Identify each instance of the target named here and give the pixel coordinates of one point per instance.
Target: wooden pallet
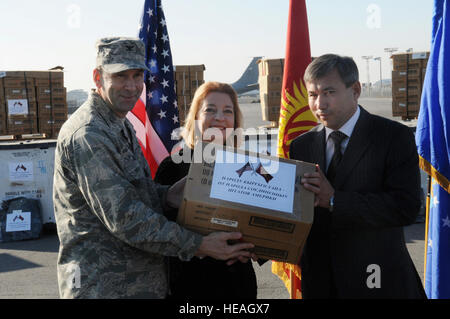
(33, 136)
(409, 118)
(7, 137)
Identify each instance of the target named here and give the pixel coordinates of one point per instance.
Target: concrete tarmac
(28, 268)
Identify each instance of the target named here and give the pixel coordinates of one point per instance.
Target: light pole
(390, 51)
(367, 58)
(381, 78)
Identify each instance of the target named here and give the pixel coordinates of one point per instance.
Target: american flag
(155, 115)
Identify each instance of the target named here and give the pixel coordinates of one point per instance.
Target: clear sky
(223, 35)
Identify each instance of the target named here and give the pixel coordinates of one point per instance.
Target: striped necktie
(337, 138)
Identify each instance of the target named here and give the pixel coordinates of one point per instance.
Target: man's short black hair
(323, 65)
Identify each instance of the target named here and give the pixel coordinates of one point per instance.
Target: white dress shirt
(347, 129)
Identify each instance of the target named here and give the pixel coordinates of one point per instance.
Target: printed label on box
(253, 181)
(225, 222)
(21, 171)
(18, 221)
(16, 107)
(419, 55)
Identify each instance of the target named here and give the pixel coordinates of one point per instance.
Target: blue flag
(437, 274)
(433, 143)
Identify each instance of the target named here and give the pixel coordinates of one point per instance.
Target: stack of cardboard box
(270, 84)
(187, 79)
(34, 102)
(20, 106)
(407, 81)
(2, 111)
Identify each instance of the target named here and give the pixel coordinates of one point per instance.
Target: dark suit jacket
(377, 191)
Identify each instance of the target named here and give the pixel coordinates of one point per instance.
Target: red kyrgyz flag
(295, 116)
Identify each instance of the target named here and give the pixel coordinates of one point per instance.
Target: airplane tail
(249, 79)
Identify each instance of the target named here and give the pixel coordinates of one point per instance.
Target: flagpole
(427, 216)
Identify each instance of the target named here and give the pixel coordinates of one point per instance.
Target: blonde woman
(213, 116)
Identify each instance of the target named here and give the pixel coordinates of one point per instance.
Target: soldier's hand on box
(216, 246)
(175, 193)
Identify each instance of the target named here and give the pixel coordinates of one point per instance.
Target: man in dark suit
(371, 189)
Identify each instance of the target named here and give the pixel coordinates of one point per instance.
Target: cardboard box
(270, 83)
(188, 78)
(270, 105)
(189, 68)
(182, 116)
(54, 74)
(25, 125)
(257, 195)
(32, 78)
(53, 82)
(47, 122)
(195, 84)
(47, 92)
(410, 73)
(183, 91)
(2, 106)
(271, 66)
(48, 109)
(403, 107)
(406, 64)
(184, 102)
(187, 73)
(58, 99)
(20, 93)
(405, 61)
(2, 124)
(51, 125)
(270, 113)
(403, 81)
(18, 82)
(20, 107)
(412, 90)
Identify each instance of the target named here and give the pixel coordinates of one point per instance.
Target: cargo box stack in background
(20, 103)
(187, 79)
(407, 81)
(2, 111)
(34, 103)
(270, 84)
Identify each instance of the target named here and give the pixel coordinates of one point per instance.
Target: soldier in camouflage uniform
(109, 212)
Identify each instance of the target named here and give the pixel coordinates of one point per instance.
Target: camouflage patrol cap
(117, 54)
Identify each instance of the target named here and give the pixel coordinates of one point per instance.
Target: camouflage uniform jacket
(108, 211)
